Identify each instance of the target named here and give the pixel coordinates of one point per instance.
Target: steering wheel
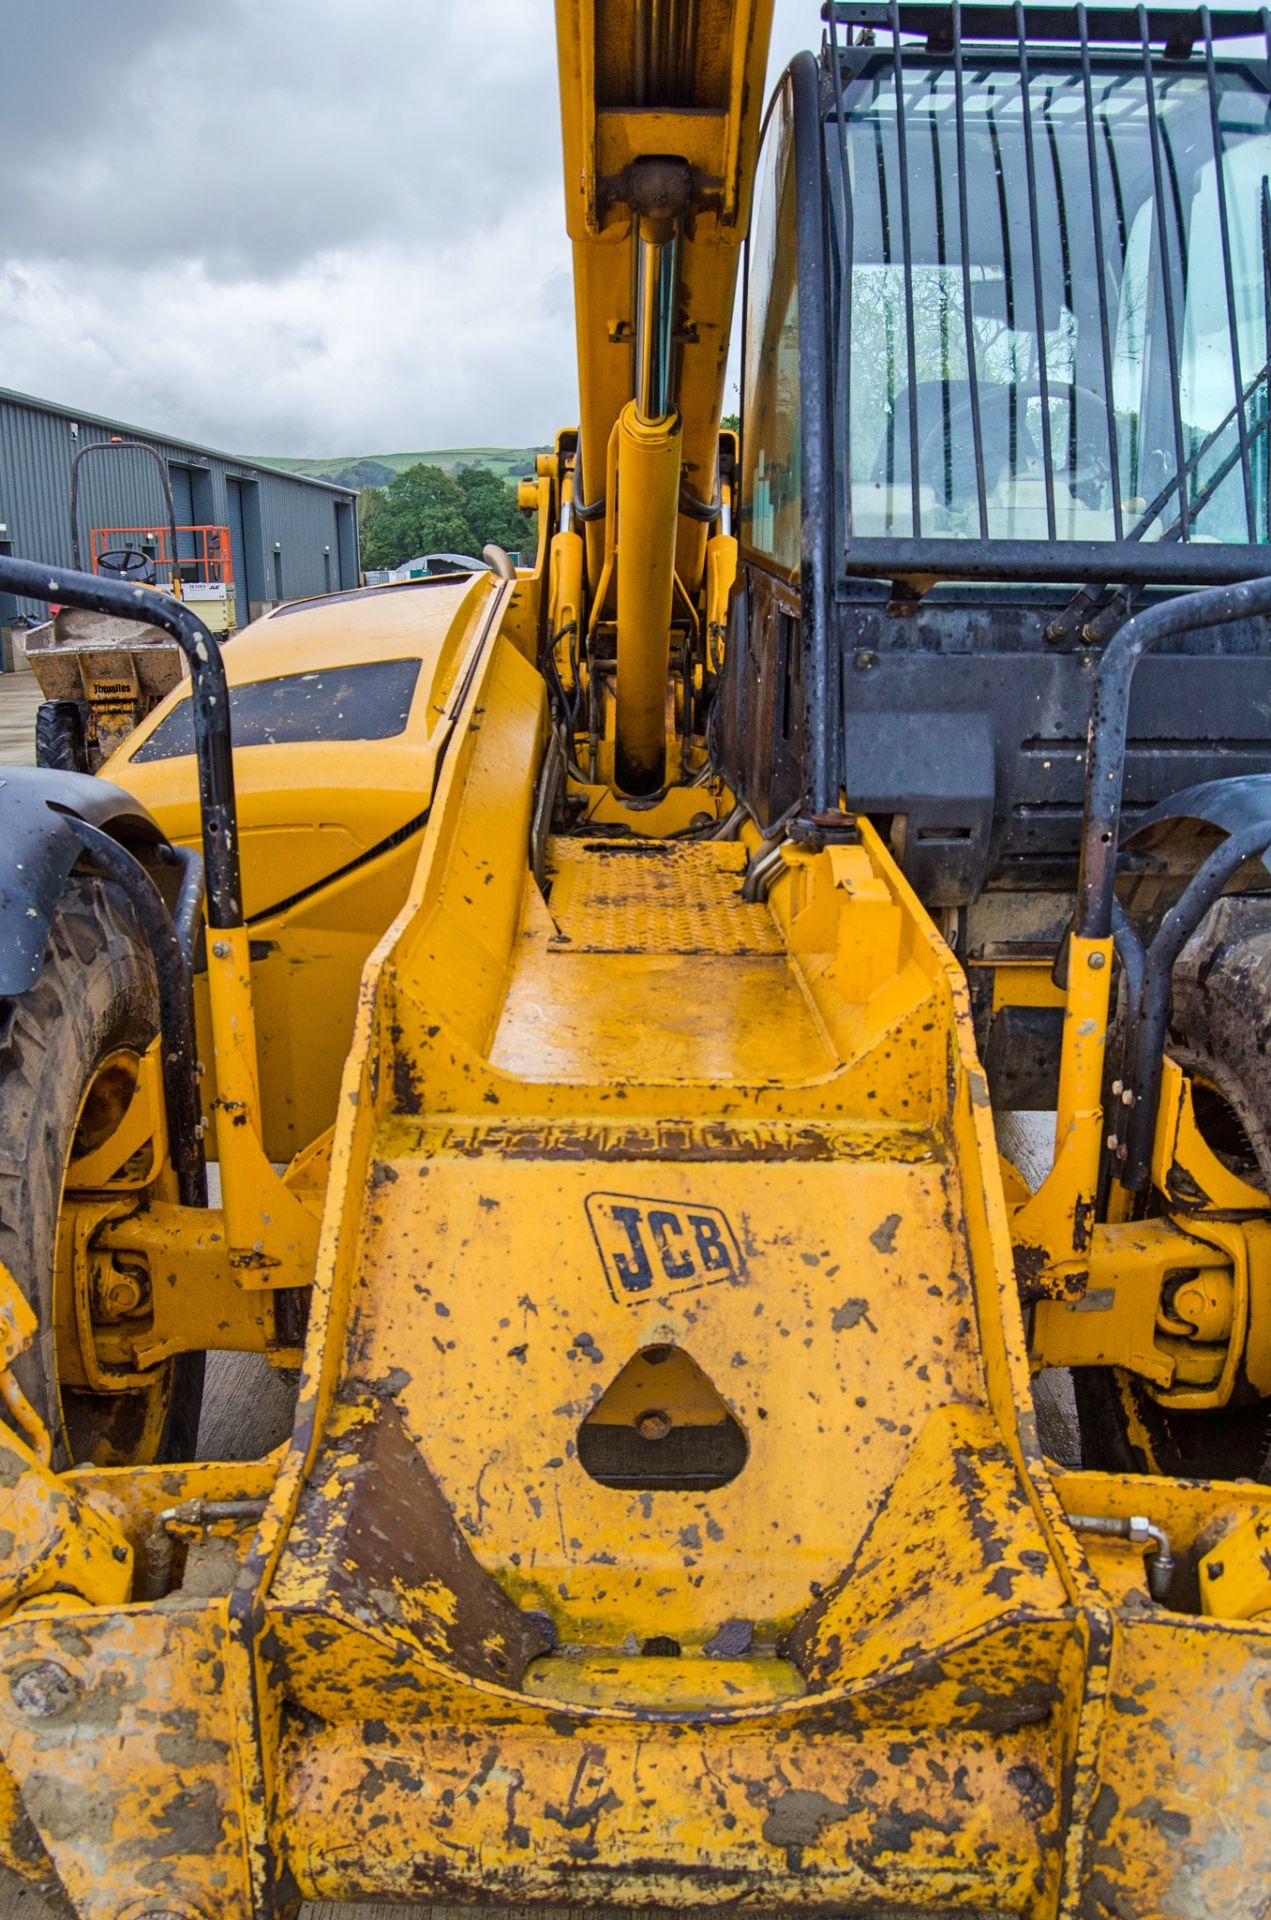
(126, 563)
(1093, 475)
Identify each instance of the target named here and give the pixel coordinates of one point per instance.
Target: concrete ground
(247, 1405)
(19, 698)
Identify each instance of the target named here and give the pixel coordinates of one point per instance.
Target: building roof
(170, 439)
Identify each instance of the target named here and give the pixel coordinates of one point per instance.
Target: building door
(238, 549)
(345, 545)
(183, 512)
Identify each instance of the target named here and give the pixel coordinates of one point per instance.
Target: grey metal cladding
(313, 522)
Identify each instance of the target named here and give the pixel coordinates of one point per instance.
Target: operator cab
(1007, 343)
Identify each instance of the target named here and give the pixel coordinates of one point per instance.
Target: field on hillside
(379, 469)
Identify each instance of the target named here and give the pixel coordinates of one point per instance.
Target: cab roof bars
(1177, 32)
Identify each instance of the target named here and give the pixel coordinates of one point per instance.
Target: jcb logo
(660, 1246)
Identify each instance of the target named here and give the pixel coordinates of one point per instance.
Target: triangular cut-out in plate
(662, 1425)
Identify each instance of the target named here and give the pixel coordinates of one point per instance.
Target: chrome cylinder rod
(657, 276)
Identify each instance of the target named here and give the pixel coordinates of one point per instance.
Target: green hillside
(379, 469)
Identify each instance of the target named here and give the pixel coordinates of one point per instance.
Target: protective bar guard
(209, 697)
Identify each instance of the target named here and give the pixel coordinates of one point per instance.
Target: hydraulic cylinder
(648, 497)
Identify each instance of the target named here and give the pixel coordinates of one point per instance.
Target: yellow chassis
(581, 1177)
(402, 1659)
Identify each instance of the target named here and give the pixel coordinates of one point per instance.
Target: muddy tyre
(1220, 1031)
(59, 737)
(94, 1002)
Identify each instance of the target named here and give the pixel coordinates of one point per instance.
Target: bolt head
(654, 1425)
(221, 949)
(1096, 960)
(42, 1690)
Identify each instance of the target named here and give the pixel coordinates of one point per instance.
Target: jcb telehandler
(594, 983)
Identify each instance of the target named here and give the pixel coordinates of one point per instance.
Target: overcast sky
(294, 226)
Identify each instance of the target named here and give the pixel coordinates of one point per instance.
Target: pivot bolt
(1096, 960)
(221, 949)
(118, 1292)
(654, 1425)
(43, 1690)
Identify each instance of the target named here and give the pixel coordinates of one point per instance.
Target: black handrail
(209, 698)
(1109, 718)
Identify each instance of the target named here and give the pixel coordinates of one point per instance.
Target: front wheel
(66, 1048)
(60, 737)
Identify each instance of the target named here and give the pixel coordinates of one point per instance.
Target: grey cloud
(255, 136)
(293, 226)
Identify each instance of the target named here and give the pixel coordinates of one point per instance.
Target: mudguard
(38, 848)
(1236, 802)
(1231, 805)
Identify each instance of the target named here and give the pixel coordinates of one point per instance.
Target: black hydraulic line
(1129, 951)
(176, 1005)
(693, 507)
(1109, 714)
(209, 699)
(1149, 1028)
(585, 510)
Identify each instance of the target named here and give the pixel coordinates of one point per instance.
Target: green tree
(492, 512)
(427, 510)
(370, 511)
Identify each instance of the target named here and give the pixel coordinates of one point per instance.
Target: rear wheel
(60, 738)
(1220, 1032)
(66, 1046)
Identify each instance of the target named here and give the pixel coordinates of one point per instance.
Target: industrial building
(289, 536)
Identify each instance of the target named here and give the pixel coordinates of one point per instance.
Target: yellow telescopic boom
(660, 107)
